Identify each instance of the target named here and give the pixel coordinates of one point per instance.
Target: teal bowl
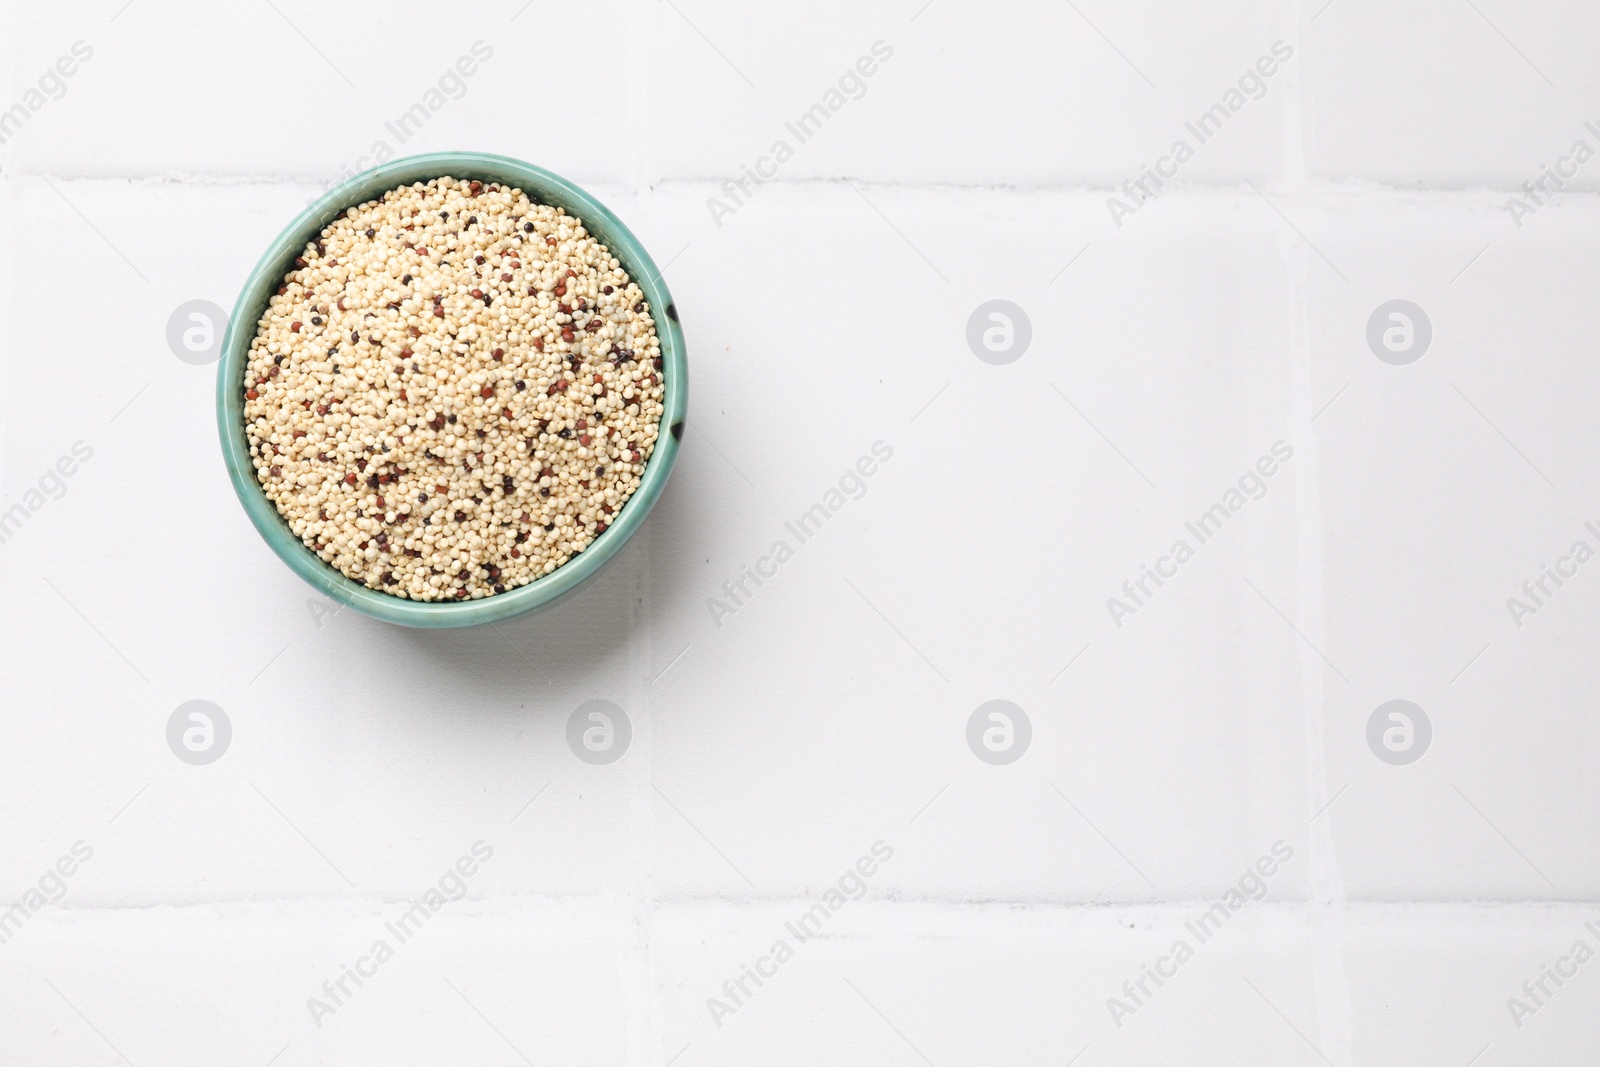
(542, 186)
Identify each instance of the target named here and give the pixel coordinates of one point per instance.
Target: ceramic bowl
(544, 187)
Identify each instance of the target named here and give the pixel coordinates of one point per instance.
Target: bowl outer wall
(544, 187)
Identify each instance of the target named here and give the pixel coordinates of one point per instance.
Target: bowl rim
(543, 186)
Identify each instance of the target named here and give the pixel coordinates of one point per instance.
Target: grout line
(1298, 184)
(1326, 915)
(1330, 984)
(989, 913)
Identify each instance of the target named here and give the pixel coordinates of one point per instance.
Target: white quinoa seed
(454, 391)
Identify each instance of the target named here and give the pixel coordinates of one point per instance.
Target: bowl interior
(544, 187)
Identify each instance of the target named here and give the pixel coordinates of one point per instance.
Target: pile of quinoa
(454, 392)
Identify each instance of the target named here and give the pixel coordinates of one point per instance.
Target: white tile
(1445, 485)
(868, 650)
(293, 89)
(1019, 93)
(1446, 94)
(147, 588)
(239, 984)
(781, 734)
(980, 988)
(1444, 989)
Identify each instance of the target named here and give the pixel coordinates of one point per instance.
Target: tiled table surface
(1199, 740)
